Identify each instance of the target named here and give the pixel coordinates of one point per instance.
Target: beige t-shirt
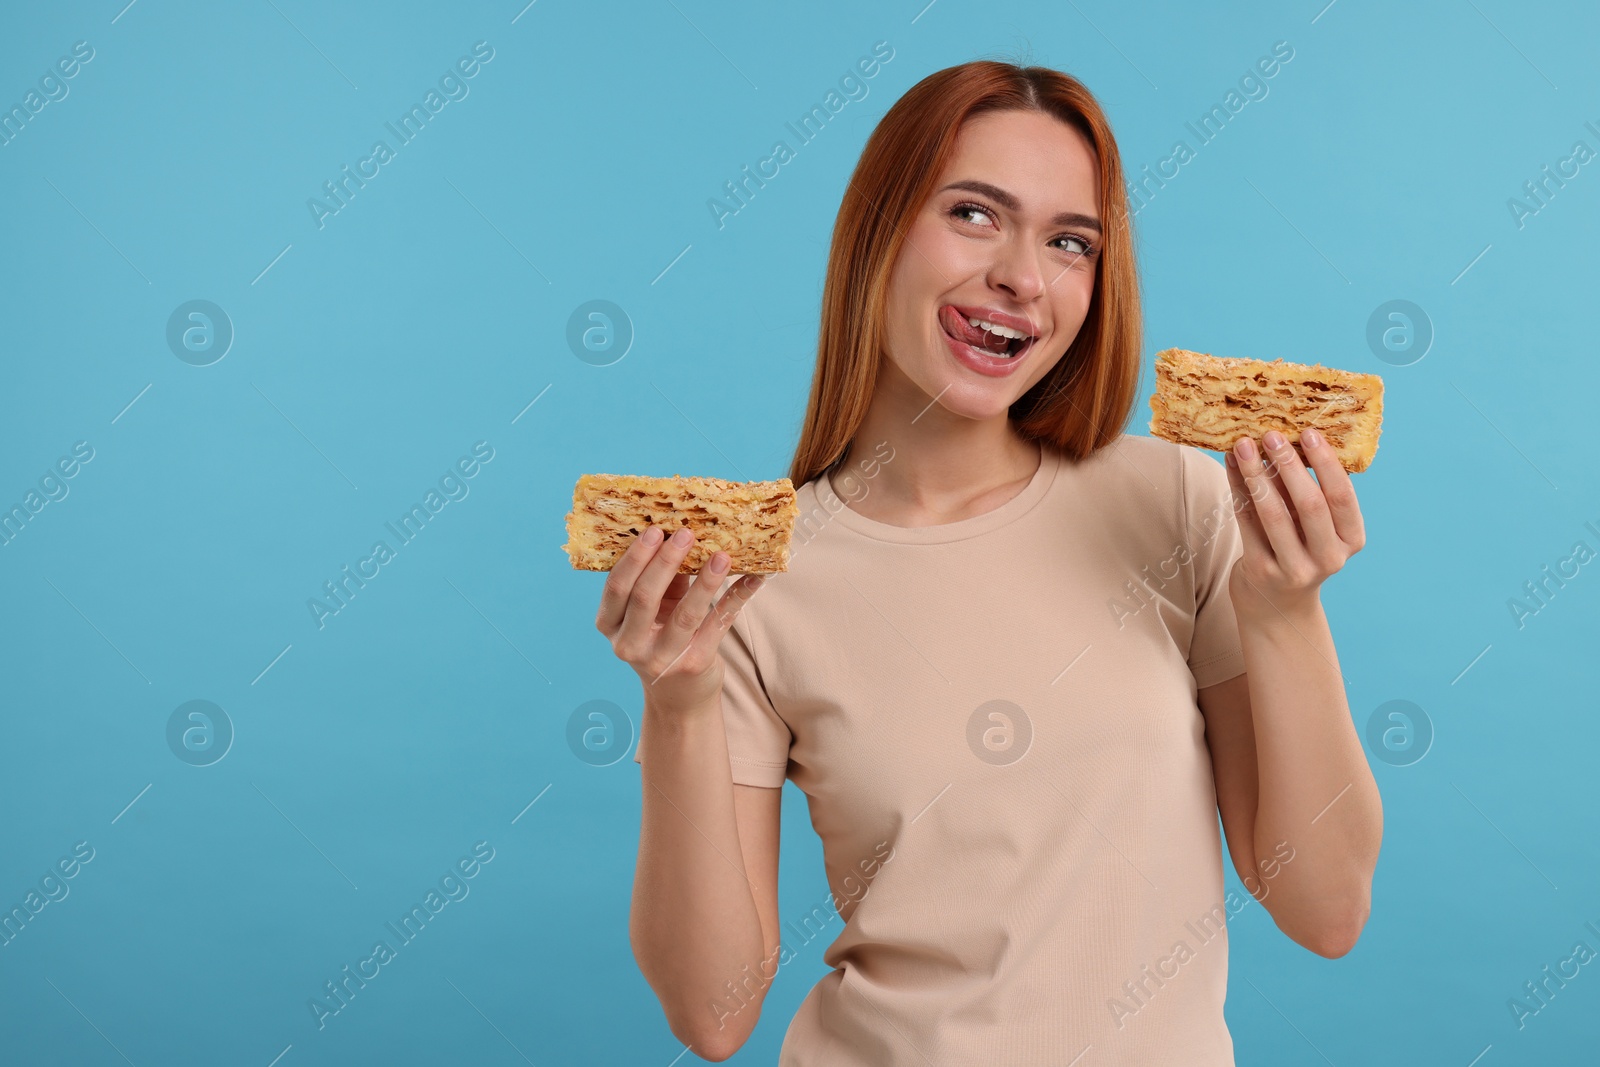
(995, 723)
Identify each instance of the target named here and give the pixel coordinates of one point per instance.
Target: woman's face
(1010, 238)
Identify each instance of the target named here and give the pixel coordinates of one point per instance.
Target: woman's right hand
(664, 625)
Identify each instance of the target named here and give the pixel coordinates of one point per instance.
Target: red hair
(1085, 400)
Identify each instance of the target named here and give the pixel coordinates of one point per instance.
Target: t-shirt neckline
(1043, 477)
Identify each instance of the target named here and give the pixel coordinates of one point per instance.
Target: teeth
(1003, 331)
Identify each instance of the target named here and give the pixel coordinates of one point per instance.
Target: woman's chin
(971, 400)
(960, 393)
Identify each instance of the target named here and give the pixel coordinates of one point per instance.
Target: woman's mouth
(982, 343)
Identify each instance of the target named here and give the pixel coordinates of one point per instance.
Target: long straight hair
(1086, 399)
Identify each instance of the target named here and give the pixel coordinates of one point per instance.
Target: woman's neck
(945, 467)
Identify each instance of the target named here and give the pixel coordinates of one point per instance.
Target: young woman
(1020, 661)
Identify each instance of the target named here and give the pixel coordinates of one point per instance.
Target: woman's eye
(981, 216)
(962, 211)
(1083, 247)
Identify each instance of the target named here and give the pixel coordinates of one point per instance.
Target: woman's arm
(1292, 778)
(705, 892)
(705, 888)
(1298, 802)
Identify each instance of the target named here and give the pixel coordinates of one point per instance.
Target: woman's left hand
(1297, 531)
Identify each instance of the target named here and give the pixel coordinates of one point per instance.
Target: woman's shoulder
(1150, 475)
(1151, 461)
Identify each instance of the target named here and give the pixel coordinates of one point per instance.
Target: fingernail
(651, 536)
(718, 564)
(1247, 449)
(1273, 440)
(1311, 439)
(682, 537)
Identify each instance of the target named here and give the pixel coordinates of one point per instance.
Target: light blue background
(428, 314)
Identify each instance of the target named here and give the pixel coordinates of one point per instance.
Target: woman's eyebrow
(1011, 203)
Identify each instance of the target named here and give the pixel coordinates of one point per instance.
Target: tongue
(957, 326)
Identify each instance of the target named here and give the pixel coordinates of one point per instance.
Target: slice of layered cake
(751, 521)
(1212, 401)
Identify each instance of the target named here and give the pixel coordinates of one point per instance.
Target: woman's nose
(1017, 270)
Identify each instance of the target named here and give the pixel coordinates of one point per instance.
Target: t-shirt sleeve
(758, 738)
(1212, 532)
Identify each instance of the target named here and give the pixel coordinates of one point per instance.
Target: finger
(1270, 507)
(1336, 487)
(721, 616)
(624, 573)
(1315, 515)
(673, 596)
(644, 601)
(1270, 465)
(700, 645)
(1274, 472)
(685, 618)
(1255, 538)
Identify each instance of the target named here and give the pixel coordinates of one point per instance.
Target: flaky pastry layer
(751, 521)
(1211, 401)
